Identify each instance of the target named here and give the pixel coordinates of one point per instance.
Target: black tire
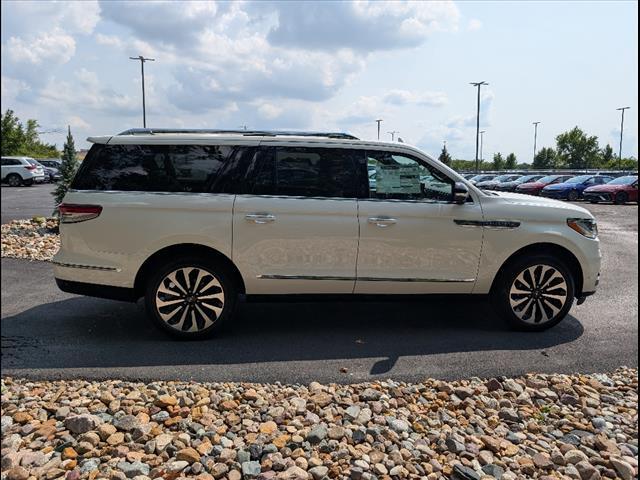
(533, 317)
(621, 198)
(183, 318)
(14, 180)
(593, 201)
(573, 196)
(28, 183)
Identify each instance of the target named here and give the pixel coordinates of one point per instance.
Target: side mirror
(460, 193)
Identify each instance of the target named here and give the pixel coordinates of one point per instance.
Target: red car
(619, 191)
(534, 188)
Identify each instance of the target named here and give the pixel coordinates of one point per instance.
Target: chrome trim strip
(430, 280)
(87, 267)
(492, 224)
(365, 279)
(303, 277)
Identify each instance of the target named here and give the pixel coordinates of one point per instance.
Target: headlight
(584, 226)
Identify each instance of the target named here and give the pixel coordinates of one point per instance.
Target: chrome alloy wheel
(538, 294)
(189, 299)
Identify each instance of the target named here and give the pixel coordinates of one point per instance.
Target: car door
(633, 192)
(413, 238)
(295, 226)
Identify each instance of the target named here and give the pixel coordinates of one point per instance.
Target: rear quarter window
(151, 168)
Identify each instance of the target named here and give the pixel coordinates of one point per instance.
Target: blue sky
(329, 65)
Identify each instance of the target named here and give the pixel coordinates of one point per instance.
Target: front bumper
(598, 196)
(556, 195)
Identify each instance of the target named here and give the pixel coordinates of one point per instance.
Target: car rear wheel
(14, 180)
(621, 198)
(573, 196)
(534, 294)
(190, 298)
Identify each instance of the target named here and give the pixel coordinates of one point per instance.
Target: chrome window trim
(502, 224)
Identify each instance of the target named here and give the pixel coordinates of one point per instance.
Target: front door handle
(260, 217)
(382, 222)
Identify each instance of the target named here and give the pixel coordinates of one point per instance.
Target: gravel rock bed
(35, 239)
(538, 426)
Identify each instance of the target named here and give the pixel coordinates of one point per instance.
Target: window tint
(239, 172)
(151, 168)
(308, 172)
(404, 178)
(10, 161)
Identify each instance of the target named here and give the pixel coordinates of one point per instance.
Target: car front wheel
(190, 298)
(573, 196)
(534, 294)
(621, 198)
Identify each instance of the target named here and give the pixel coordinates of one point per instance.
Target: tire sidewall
(221, 274)
(500, 294)
(573, 196)
(14, 180)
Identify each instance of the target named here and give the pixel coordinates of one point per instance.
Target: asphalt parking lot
(26, 202)
(50, 334)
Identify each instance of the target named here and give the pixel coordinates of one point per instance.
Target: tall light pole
(478, 84)
(142, 60)
(622, 109)
(535, 138)
(393, 134)
(379, 121)
(481, 141)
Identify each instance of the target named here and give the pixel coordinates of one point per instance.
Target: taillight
(30, 167)
(78, 213)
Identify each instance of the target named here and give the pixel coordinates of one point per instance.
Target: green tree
(498, 161)
(67, 168)
(607, 156)
(12, 134)
(575, 149)
(511, 163)
(545, 158)
(444, 156)
(18, 140)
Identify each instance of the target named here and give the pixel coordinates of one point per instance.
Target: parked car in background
(511, 186)
(534, 188)
(572, 188)
(483, 177)
(619, 191)
(492, 184)
(52, 167)
(282, 213)
(18, 171)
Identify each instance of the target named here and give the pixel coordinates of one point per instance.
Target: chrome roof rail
(246, 133)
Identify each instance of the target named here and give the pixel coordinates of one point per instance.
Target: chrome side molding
(493, 224)
(87, 267)
(365, 279)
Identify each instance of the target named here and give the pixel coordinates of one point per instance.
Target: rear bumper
(99, 291)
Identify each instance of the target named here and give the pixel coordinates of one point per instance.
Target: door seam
(353, 291)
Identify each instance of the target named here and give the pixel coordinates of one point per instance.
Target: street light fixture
(142, 60)
(379, 121)
(478, 84)
(622, 109)
(535, 138)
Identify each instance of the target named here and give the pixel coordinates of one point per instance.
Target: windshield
(548, 179)
(623, 181)
(579, 179)
(33, 162)
(527, 178)
(482, 178)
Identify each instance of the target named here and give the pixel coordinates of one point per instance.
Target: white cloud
(405, 97)
(474, 24)
(77, 122)
(31, 18)
(109, 40)
(12, 88)
(51, 47)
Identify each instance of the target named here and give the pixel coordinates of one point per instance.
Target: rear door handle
(260, 217)
(382, 222)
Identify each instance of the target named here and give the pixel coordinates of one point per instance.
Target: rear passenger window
(309, 172)
(151, 168)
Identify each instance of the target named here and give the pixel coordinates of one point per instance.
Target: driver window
(398, 177)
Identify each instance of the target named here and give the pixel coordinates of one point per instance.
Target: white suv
(191, 220)
(18, 171)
